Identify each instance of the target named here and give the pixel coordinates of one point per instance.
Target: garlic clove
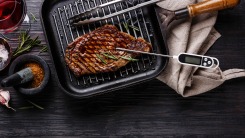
(7, 105)
(4, 99)
(5, 95)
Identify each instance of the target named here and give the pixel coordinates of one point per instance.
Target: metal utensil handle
(142, 52)
(110, 3)
(86, 21)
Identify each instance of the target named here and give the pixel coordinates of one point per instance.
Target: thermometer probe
(185, 58)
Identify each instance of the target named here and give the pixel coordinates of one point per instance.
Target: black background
(148, 109)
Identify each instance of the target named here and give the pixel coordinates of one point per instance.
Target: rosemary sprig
(39, 107)
(110, 55)
(44, 49)
(134, 28)
(26, 107)
(98, 56)
(33, 17)
(125, 24)
(129, 58)
(26, 44)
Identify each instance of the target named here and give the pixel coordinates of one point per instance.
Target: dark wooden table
(150, 109)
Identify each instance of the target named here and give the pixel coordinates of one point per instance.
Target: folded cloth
(194, 36)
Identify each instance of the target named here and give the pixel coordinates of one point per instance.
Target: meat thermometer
(185, 58)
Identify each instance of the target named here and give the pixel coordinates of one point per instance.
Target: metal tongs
(189, 11)
(96, 8)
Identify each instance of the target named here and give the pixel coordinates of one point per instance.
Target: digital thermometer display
(193, 60)
(197, 60)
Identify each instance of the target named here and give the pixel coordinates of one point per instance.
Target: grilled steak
(95, 52)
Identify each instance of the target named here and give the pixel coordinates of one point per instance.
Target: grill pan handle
(204, 7)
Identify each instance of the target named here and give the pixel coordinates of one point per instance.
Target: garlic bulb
(4, 98)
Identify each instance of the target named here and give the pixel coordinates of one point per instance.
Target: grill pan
(54, 17)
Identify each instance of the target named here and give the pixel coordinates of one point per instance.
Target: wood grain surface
(151, 109)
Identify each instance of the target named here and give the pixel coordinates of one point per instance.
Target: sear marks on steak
(82, 58)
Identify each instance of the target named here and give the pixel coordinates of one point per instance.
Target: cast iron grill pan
(59, 33)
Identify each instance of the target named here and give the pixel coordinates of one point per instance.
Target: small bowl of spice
(29, 74)
(5, 54)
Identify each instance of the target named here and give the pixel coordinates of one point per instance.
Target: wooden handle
(210, 6)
